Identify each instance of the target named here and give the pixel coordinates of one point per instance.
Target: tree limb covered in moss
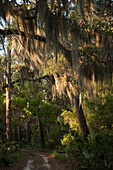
(47, 77)
(66, 52)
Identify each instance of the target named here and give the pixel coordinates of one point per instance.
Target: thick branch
(66, 52)
(16, 32)
(38, 79)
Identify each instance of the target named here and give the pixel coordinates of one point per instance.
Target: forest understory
(32, 159)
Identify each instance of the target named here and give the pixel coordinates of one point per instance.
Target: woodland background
(56, 91)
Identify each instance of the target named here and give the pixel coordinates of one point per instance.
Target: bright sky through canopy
(19, 1)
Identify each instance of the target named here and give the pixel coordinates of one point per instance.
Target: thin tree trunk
(8, 98)
(15, 134)
(19, 134)
(8, 93)
(28, 132)
(110, 77)
(41, 134)
(81, 118)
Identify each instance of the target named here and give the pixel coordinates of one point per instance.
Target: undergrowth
(95, 152)
(9, 154)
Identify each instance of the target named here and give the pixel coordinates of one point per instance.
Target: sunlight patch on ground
(29, 165)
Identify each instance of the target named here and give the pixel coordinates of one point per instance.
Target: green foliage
(70, 118)
(66, 139)
(98, 151)
(59, 155)
(9, 154)
(2, 116)
(101, 112)
(19, 102)
(54, 137)
(95, 152)
(48, 115)
(49, 112)
(27, 112)
(61, 66)
(34, 136)
(15, 121)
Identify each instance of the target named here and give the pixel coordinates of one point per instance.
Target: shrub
(94, 153)
(9, 153)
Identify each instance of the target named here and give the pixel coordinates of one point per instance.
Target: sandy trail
(30, 164)
(35, 160)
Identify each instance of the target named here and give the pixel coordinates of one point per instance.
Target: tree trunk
(8, 97)
(15, 134)
(19, 134)
(41, 134)
(28, 132)
(81, 118)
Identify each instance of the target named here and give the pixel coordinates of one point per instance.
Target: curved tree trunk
(81, 118)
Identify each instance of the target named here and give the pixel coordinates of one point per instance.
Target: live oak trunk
(81, 118)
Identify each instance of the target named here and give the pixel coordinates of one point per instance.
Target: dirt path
(33, 160)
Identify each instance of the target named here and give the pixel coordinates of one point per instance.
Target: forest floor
(34, 160)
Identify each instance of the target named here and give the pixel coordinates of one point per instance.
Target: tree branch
(7, 32)
(49, 77)
(66, 52)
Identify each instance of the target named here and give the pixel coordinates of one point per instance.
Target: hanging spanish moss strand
(56, 38)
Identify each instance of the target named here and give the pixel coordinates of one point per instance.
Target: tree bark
(19, 134)
(28, 132)
(8, 98)
(15, 134)
(41, 134)
(81, 118)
